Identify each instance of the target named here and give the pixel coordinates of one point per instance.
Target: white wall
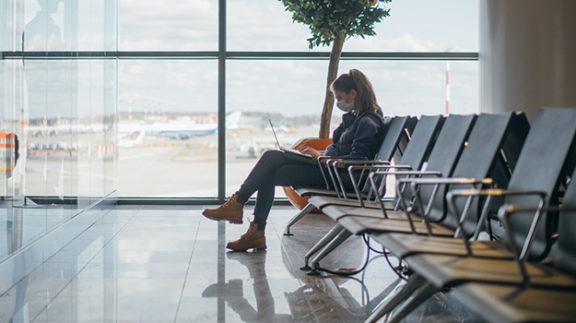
(527, 55)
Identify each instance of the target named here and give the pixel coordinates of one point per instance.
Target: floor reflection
(170, 264)
(232, 291)
(23, 222)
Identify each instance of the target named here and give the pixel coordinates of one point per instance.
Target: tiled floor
(169, 264)
(21, 224)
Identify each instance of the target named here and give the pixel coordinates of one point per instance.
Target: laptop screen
(274, 132)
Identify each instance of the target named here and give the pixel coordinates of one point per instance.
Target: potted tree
(331, 22)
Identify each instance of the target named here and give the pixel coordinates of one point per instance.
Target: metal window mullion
(221, 100)
(243, 55)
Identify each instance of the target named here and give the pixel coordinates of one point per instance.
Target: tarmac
(153, 167)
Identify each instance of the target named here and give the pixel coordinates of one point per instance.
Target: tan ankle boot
(252, 239)
(230, 211)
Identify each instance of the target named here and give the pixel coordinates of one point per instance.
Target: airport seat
(503, 303)
(527, 302)
(398, 130)
(415, 154)
(540, 171)
(445, 151)
(529, 292)
(482, 156)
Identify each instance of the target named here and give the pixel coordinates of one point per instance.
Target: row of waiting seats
(483, 208)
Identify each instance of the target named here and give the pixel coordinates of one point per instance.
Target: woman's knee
(271, 155)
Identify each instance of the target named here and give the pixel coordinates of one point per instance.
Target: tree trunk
(337, 46)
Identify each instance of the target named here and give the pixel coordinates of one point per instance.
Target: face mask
(345, 106)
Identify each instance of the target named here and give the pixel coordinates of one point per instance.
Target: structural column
(527, 55)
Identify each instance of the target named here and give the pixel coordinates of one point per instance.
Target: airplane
(179, 129)
(186, 128)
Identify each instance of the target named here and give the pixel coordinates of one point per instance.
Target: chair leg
(307, 209)
(328, 247)
(420, 296)
(336, 229)
(388, 304)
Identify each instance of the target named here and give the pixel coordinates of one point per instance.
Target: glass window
(51, 91)
(94, 26)
(148, 127)
(291, 93)
(413, 26)
(44, 27)
(296, 87)
(264, 25)
(67, 25)
(167, 109)
(167, 128)
(4, 27)
(62, 110)
(69, 128)
(421, 87)
(424, 26)
(169, 25)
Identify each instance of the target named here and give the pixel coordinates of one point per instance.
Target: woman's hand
(311, 151)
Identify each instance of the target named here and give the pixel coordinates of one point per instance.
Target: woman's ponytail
(365, 97)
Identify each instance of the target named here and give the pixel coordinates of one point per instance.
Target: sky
(297, 87)
(291, 87)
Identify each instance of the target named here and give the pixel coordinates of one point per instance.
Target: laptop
(289, 152)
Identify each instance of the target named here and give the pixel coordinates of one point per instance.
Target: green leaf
(326, 17)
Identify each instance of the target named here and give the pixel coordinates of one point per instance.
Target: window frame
(222, 55)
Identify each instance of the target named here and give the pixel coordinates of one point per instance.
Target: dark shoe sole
(246, 249)
(220, 219)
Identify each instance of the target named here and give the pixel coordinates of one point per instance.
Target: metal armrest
(347, 162)
(336, 164)
(495, 192)
(383, 171)
(415, 183)
(378, 167)
(356, 181)
(417, 173)
(448, 181)
(378, 170)
(408, 172)
(324, 163)
(504, 212)
(332, 177)
(402, 182)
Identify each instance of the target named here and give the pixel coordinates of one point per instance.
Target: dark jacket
(357, 137)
